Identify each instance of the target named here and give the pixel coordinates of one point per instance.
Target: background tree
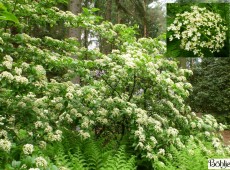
(211, 92)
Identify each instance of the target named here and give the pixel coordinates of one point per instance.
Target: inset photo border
(198, 30)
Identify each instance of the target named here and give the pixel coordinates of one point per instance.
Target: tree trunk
(106, 47)
(108, 10)
(118, 12)
(145, 19)
(182, 62)
(86, 32)
(75, 6)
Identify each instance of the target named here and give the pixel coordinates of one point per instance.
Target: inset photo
(198, 30)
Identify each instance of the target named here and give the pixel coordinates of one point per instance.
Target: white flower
(149, 155)
(40, 162)
(140, 144)
(28, 149)
(161, 152)
(153, 139)
(193, 114)
(187, 46)
(6, 75)
(7, 64)
(58, 106)
(5, 145)
(22, 80)
(42, 144)
(199, 125)
(25, 167)
(54, 137)
(3, 133)
(148, 148)
(85, 135)
(40, 70)
(48, 129)
(177, 36)
(18, 71)
(172, 131)
(8, 58)
(58, 132)
(216, 144)
(69, 96)
(193, 125)
(115, 112)
(1, 41)
(141, 137)
(25, 65)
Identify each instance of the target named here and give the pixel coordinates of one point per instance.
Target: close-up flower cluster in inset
(199, 30)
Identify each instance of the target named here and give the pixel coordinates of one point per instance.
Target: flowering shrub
(199, 30)
(132, 92)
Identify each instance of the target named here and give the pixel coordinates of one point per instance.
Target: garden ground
(226, 136)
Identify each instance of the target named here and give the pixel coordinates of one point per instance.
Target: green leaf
(53, 167)
(22, 134)
(5, 15)
(8, 17)
(2, 7)
(95, 9)
(16, 164)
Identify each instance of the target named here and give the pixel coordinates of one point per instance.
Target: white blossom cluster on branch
(198, 30)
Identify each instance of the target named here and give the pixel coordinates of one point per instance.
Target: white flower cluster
(6, 75)
(21, 80)
(54, 137)
(42, 144)
(5, 145)
(28, 149)
(199, 29)
(85, 135)
(40, 162)
(161, 152)
(3, 133)
(172, 132)
(40, 70)
(8, 62)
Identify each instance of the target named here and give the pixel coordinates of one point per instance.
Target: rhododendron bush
(133, 91)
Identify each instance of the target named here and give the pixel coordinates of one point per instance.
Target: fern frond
(120, 161)
(94, 156)
(77, 160)
(61, 159)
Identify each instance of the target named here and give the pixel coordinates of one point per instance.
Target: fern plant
(119, 161)
(92, 154)
(192, 157)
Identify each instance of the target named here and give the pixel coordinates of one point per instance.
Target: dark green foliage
(211, 87)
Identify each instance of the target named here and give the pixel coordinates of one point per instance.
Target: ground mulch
(226, 136)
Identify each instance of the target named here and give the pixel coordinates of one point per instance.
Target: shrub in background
(211, 92)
